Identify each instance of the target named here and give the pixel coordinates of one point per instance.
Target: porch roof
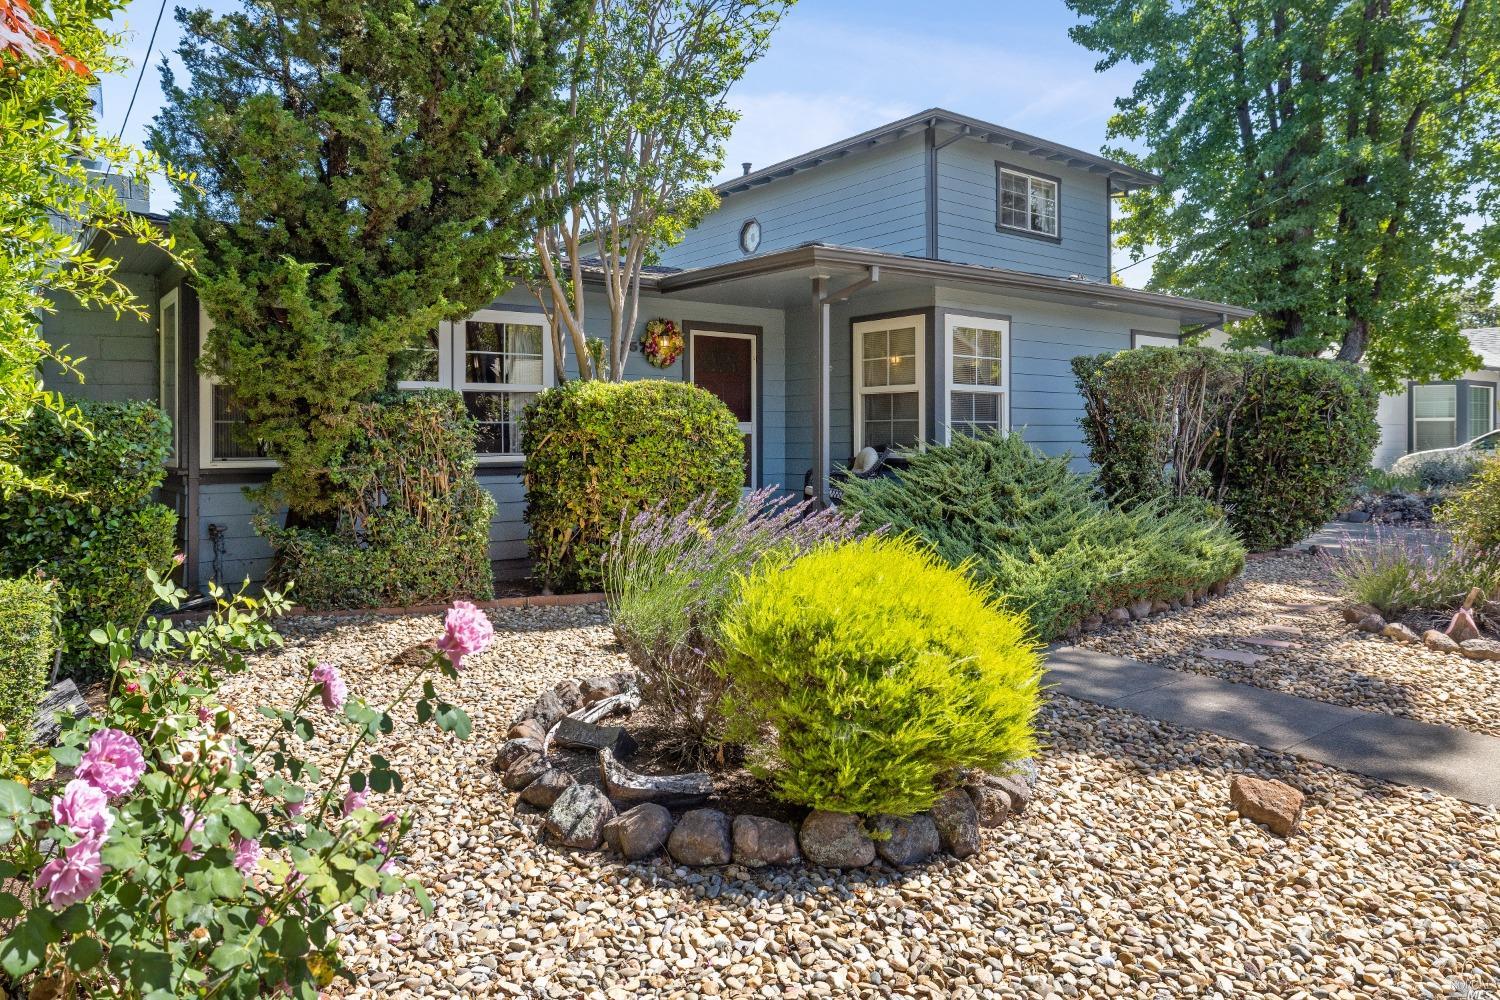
(782, 278)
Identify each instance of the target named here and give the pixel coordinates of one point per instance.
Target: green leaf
(423, 900)
(226, 956)
(10, 906)
(74, 919)
(451, 719)
(23, 947)
(242, 820)
(16, 800)
(85, 953)
(424, 710)
(367, 877)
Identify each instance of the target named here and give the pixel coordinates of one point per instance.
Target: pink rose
(246, 853)
(354, 800)
(295, 808)
(83, 809)
(113, 763)
(194, 824)
(334, 690)
(389, 819)
(466, 631)
(75, 876)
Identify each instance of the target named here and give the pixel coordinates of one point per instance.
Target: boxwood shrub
(413, 523)
(98, 539)
(28, 642)
(881, 670)
(1042, 535)
(597, 452)
(1278, 442)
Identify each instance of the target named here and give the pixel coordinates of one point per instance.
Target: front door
(724, 364)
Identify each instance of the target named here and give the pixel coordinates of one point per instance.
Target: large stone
(547, 787)
(549, 707)
(629, 788)
(992, 804)
(1354, 613)
(1158, 607)
(957, 822)
(1399, 632)
(579, 735)
(1481, 649)
(1017, 787)
(1093, 623)
(513, 750)
(1219, 588)
(1462, 628)
(836, 840)
(578, 817)
(640, 831)
(1139, 609)
(1374, 624)
(524, 770)
(908, 840)
(1440, 643)
(1273, 804)
(527, 729)
(570, 693)
(62, 698)
(701, 837)
(593, 689)
(1118, 616)
(760, 841)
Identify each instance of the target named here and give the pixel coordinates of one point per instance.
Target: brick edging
(529, 601)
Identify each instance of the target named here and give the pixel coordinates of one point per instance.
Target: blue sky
(835, 68)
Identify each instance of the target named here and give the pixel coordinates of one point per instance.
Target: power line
(1301, 187)
(145, 61)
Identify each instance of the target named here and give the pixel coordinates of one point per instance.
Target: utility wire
(145, 62)
(1301, 187)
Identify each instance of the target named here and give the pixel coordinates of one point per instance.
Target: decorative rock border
(560, 760)
(1142, 609)
(1460, 640)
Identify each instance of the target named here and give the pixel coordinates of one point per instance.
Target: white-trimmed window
(221, 421)
(168, 341)
(1481, 404)
(499, 360)
(889, 371)
(978, 353)
(1434, 416)
(1028, 202)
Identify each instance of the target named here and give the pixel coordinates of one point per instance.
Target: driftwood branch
(626, 702)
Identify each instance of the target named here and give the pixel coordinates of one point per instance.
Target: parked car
(1443, 466)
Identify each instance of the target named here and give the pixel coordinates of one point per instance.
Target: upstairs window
(1028, 203)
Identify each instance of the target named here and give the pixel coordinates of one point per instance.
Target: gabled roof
(1486, 343)
(954, 125)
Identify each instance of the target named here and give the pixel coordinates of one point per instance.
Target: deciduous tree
(1319, 160)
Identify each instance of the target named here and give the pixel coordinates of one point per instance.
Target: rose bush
(182, 859)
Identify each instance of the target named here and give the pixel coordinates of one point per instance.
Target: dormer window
(1028, 203)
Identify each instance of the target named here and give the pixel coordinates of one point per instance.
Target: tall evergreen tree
(366, 169)
(1319, 161)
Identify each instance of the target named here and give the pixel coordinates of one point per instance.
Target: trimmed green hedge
(882, 671)
(28, 642)
(413, 522)
(1042, 535)
(1278, 442)
(98, 543)
(597, 452)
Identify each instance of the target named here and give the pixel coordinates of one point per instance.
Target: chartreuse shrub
(669, 577)
(1472, 514)
(97, 539)
(1041, 535)
(412, 523)
(193, 854)
(600, 452)
(1278, 442)
(881, 670)
(28, 640)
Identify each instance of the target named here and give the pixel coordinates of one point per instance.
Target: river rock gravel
(1290, 599)
(1128, 875)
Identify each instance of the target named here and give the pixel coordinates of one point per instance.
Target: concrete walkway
(1453, 761)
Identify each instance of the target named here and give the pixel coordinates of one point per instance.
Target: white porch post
(822, 460)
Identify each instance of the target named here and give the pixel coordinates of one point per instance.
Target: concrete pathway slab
(1443, 758)
(1266, 641)
(1233, 656)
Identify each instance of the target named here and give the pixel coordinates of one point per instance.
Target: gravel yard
(1330, 660)
(1127, 877)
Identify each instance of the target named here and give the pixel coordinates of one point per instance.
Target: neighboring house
(930, 276)
(1428, 415)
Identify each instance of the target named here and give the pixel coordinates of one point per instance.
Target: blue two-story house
(915, 281)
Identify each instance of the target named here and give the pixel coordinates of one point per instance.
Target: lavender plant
(669, 579)
(1397, 576)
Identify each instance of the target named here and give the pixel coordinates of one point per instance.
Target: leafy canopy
(1318, 161)
(366, 169)
(48, 57)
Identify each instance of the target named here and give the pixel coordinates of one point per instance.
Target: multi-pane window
(1434, 416)
(977, 361)
(499, 361)
(1481, 410)
(888, 382)
(227, 428)
(167, 351)
(1028, 202)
